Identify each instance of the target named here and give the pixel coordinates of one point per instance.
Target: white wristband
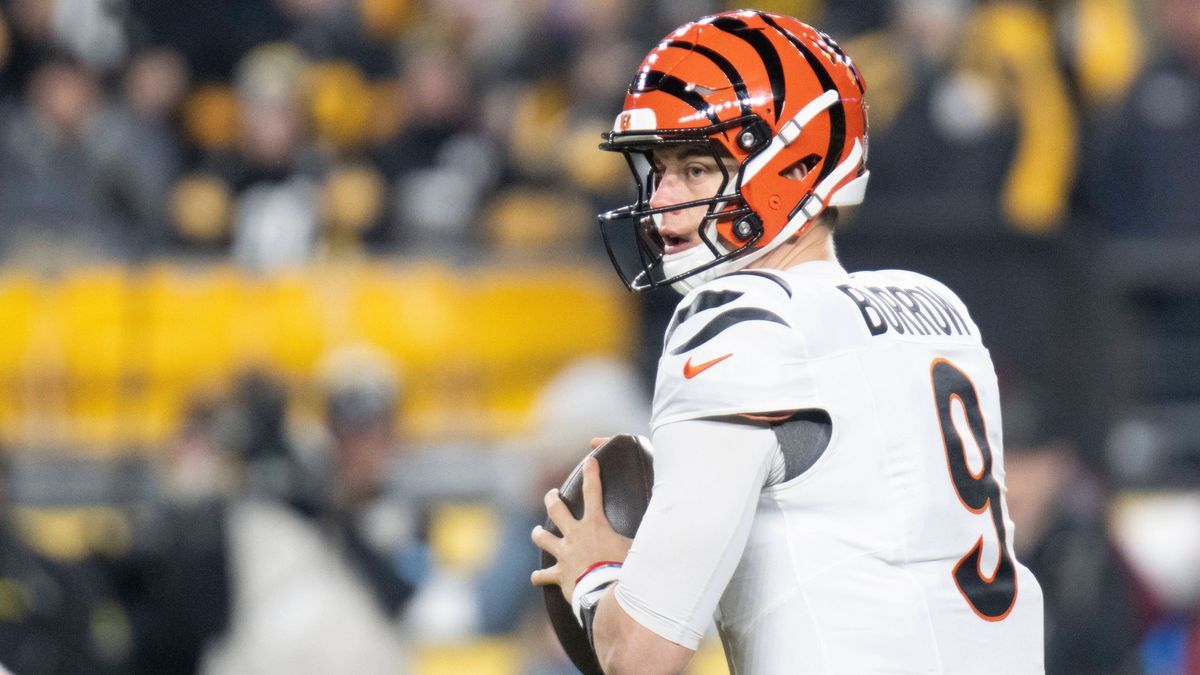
(591, 586)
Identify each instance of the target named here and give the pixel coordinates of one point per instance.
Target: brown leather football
(626, 477)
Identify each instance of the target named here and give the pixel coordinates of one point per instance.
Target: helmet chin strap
(678, 263)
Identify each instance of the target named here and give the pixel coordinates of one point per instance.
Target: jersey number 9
(990, 596)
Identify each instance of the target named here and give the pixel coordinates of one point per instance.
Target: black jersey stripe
(669, 84)
(766, 51)
(704, 300)
(787, 288)
(726, 320)
(837, 113)
(731, 72)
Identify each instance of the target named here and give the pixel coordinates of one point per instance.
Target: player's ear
(800, 169)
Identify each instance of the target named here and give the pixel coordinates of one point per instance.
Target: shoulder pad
(732, 347)
(728, 291)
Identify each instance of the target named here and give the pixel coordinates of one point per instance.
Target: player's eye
(696, 171)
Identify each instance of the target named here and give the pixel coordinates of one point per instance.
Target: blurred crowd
(1038, 156)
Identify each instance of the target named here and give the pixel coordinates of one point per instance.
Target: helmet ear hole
(798, 170)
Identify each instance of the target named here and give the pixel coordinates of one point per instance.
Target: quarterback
(829, 477)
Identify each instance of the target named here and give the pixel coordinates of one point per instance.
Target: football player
(829, 481)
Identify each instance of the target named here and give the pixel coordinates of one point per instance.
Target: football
(626, 477)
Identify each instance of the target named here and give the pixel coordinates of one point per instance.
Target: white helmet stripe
(839, 174)
(789, 132)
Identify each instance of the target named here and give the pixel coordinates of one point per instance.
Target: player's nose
(667, 192)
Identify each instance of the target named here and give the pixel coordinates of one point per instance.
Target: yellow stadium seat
(107, 357)
(525, 325)
(211, 116)
(71, 533)
(19, 306)
(98, 417)
(19, 301)
(389, 111)
(385, 19)
(549, 312)
(192, 321)
(351, 202)
(413, 315)
(538, 123)
(408, 312)
(603, 172)
(339, 103)
(463, 536)
(201, 208)
(480, 657)
(98, 341)
(283, 323)
(194, 337)
(530, 221)
(156, 412)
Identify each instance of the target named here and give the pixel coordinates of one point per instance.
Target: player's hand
(585, 541)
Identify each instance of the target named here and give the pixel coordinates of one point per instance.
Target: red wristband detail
(594, 566)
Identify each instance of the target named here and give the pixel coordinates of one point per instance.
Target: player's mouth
(673, 243)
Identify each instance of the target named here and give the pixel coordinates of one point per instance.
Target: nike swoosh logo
(690, 371)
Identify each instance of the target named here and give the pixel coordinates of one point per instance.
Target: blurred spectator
(439, 164)
(175, 582)
(29, 33)
(974, 132)
(92, 30)
(1102, 44)
(54, 617)
(334, 29)
(352, 204)
(5, 43)
(1139, 178)
(382, 532)
(1094, 614)
(212, 36)
(275, 171)
(316, 586)
(154, 84)
(77, 177)
(1159, 531)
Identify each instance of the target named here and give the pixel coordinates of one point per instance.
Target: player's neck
(816, 244)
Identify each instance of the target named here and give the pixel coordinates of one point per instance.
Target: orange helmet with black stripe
(767, 90)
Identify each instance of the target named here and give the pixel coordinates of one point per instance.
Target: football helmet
(767, 90)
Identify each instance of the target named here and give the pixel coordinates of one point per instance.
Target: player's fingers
(546, 541)
(546, 577)
(597, 442)
(593, 492)
(557, 509)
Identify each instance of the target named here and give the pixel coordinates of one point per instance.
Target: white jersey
(893, 551)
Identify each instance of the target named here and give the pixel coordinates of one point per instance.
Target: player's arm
(625, 646)
(708, 475)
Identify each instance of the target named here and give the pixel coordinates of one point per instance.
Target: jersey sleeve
(734, 346)
(707, 479)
